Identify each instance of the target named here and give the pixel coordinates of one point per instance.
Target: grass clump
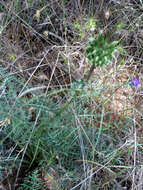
(63, 120)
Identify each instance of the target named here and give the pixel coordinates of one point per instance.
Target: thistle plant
(99, 52)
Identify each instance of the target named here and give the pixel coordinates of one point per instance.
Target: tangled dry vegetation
(42, 44)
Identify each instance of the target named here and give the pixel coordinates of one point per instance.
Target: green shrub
(100, 51)
(32, 181)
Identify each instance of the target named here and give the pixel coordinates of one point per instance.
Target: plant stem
(91, 71)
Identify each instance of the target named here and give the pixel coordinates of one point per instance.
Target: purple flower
(135, 82)
(30, 20)
(95, 82)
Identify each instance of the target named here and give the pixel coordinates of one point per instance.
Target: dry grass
(106, 117)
